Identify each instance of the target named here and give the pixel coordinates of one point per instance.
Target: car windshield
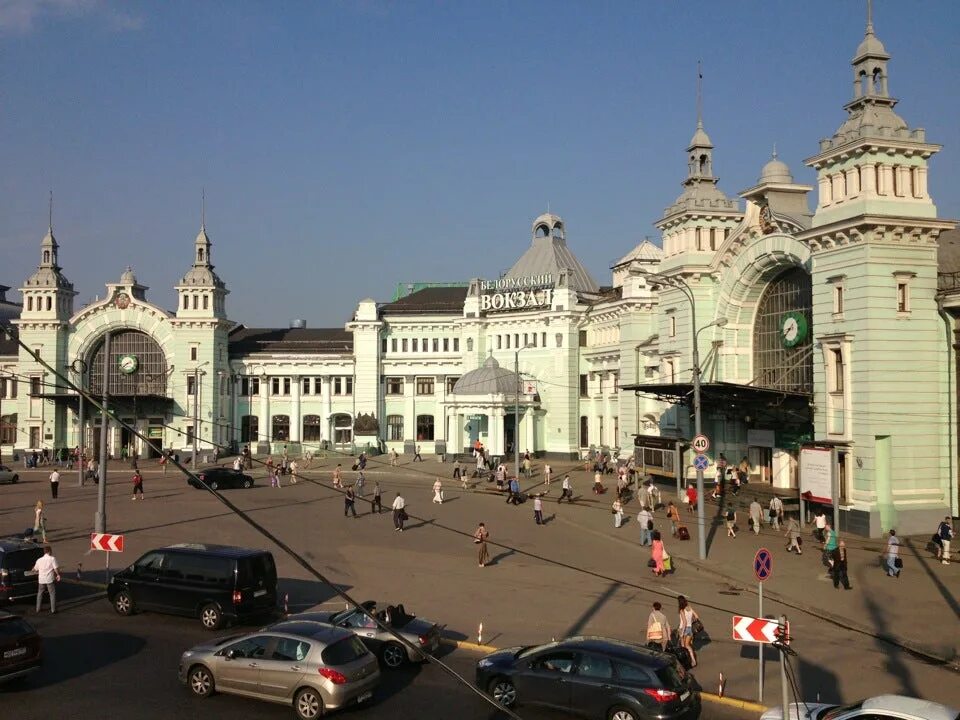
(531, 649)
(670, 677)
(840, 710)
(343, 651)
(14, 627)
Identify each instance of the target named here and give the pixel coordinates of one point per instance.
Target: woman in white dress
(438, 492)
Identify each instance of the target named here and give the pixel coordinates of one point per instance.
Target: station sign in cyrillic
(520, 293)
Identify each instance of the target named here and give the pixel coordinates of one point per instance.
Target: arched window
(186, 302)
(311, 428)
(199, 254)
(394, 427)
(30, 302)
(206, 302)
(49, 302)
(424, 427)
(342, 429)
(8, 429)
(249, 428)
(149, 378)
(46, 256)
(280, 428)
(776, 363)
(194, 302)
(542, 231)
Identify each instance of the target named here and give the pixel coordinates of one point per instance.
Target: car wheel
(308, 704)
(393, 655)
(211, 617)
(248, 483)
(123, 603)
(15, 478)
(503, 691)
(621, 713)
(214, 485)
(200, 681)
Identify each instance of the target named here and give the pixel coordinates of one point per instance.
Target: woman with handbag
(480, 536)
(688, 618)
(656, 554)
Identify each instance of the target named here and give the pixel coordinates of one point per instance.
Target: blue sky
(349, 146)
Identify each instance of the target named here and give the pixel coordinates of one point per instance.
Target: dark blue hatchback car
(592, 677)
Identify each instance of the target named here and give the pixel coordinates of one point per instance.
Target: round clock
(793, 329)
(122, 301)
(128, 364)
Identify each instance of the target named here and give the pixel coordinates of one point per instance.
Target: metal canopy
(721, 393)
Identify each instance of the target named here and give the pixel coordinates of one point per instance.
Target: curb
(467, 645)
(84, 583)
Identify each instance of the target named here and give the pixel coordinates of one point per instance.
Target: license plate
(685, 696)
(14, 653)
(259, 593)
(366, 696)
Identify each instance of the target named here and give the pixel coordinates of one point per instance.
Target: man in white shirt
(399, 514)
(48, 573)
(54, 483)
(644, 519)
(567, 490)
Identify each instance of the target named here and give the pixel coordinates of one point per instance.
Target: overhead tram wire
(299, 559)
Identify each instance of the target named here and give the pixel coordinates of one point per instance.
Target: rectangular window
(425, 385)
(516, 340)
(903, 297)
(393, 345)
(670, 371)
(499, 342)
(526, 340)
(424, 427)
(383, 346)
(404, 344)
(446, 344)
(838, 299)
(583, 338)
(600, 379)
(191, 384)
(286, 386)
(193, 353)
(317, 385)
(343, 385)
(249, 386)
(451, 381)
(508, 341)
(394, 427)
(584, 385)
(672, 320)
(425, 345)
(416, 345)
(394, 386)
(837, 371)
(584, 431)
(190, 430)
(436, 344)
(616, 383)
(305, 386)
(456, 344)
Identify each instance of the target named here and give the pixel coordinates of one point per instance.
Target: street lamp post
(80, 368)
(516, 411)
(685, 288)
(196, 410)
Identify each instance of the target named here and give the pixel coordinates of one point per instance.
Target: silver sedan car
(8, 475)
(314, 667)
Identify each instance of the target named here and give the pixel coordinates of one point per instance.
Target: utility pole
(784, 697)
(100, 519)
(196, 415)
(697, 430)
(82, 435)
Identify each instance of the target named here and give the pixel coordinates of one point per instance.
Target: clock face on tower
(793, 329)
(128, 364)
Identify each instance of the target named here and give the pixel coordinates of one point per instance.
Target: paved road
(573, 575)
(102, 665)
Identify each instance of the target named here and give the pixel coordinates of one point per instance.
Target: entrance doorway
(509, 432)
(761, 464)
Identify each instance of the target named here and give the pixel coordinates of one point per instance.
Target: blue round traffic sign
(701, 462)
(763, 564)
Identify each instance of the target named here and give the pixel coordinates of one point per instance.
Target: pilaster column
(528, 436)
(296, 424)
(440, 419)
(826, 190)
(853, 181)
(326, 409)
(263, 419)
(886, 179)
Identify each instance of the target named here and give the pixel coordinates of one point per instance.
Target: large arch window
(394, 427)
(8, 429)
(424, 427)
(342, 429)
(311, 428)
(280, 428)
(249, 428)
(778, 364)
(149, 376)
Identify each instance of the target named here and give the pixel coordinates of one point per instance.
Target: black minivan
(17, 557)
(216, 583)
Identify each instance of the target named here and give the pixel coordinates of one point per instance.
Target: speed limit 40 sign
(700, 444)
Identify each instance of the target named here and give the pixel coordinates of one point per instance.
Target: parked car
(21, 649)
(17, 557)
(220, 478)
(313, 666)
(216, 583)
(880, 706)
(8, 475)
(423, 634)
(591, 677)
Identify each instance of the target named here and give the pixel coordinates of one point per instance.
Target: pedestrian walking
(621, 483)
(514, 497)
(547, 475)
(480, 537)
(338, 476)
(829, 544)
(657, 552)
(793, 533)
(269, 464)
(617, 513)
(394, 458)
(39, 522)
(93, 468)
(399, 512)
(360, 483)
(274, 478)
(690, 499)
(137, 485)
(538, 509)
(894, 563)
(775, 512)
(237, 464)
(438, 492)
(658, 628)
(349, 501)
(645, 521)
(756, 511)
(838, 566)
(457, 470)
(598, 483)
(688, 617)
(294, 468)
(54, 483)
(945, 534)
(377, 505)
(673, 515)
(416, 456)
(566, 491)
(820, 525)
(48, 573)
(163, 464)
(731, 520)
(527, 467)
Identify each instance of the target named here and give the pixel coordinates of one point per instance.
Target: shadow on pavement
(304, 594)
(70, 656)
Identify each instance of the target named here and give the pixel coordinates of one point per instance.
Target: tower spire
(869, 17)
(203, 209)
(50, 215)
(699, 94)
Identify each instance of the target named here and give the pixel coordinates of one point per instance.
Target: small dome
(128, 278)
(700, 137)
(775, 171)
(488, 379)
(870, 45)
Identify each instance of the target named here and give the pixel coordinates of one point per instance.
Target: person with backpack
(731, 520)
(775, 512)
(658, 628)
(673, 515)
